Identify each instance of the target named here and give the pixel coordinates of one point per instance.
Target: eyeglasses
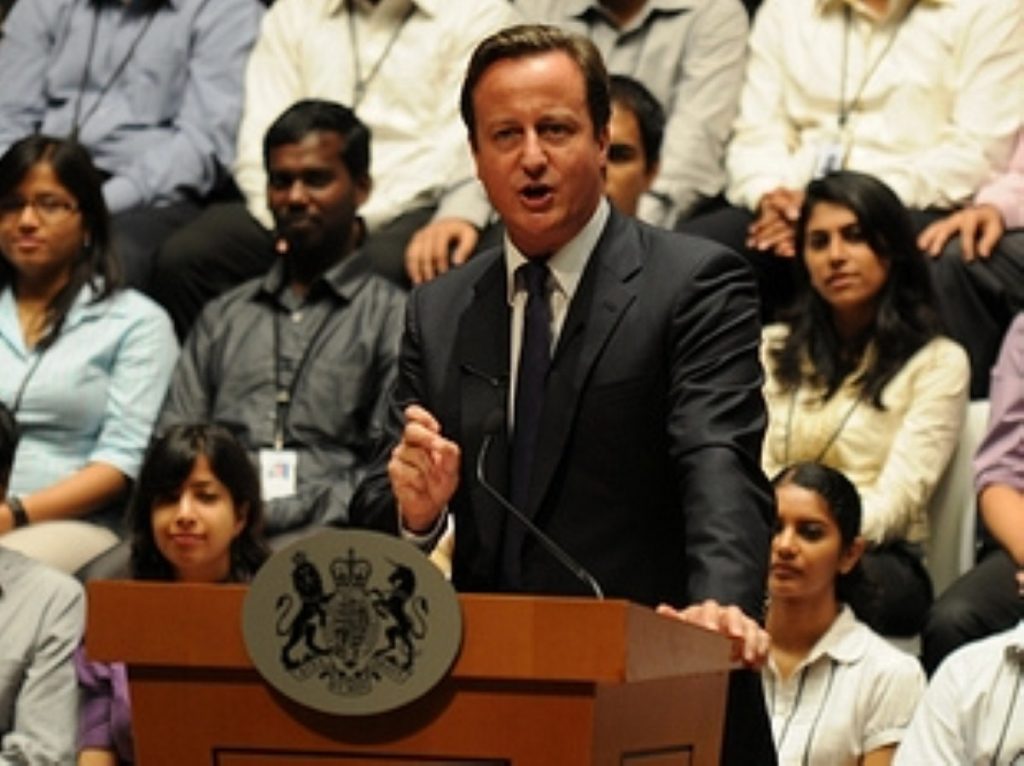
(49, 210)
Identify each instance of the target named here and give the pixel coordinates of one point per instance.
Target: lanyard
(284, 395)
(76, 121)
(831, 440)
(20, 394)
(362, 83)
(846, 107)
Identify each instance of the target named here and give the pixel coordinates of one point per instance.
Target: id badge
(831, 155)
(278, 473)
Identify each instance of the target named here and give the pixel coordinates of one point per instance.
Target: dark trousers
(900, 591)
(138, 235)
(747, 737)
(728, 226)
(226, 246)
(978, 300)
(983, 601)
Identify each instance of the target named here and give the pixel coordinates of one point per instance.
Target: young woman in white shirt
(836, 692)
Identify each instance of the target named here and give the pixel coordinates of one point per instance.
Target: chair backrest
(952, 510)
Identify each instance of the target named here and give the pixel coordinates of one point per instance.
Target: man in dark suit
(635, 446)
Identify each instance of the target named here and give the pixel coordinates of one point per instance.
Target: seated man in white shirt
(924, 95)
(973, 709)
(397, 64)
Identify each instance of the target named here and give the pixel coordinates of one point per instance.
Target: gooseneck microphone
(494, 422)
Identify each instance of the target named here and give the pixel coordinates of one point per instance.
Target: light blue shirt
(158, 101)
(94, 394)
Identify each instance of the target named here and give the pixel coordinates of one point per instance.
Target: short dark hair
(531, 40)
(9, 436)
(842, 500)
(906, 318)
(96, 266)
(313, 115)
(634, 96)
(168, 463)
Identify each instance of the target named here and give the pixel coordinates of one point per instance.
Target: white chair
(951, 547)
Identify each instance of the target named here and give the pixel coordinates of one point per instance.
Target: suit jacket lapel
(482, 348)
(602, 297)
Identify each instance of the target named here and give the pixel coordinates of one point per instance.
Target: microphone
(495, 421)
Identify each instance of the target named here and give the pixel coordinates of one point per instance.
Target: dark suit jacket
(648, 452)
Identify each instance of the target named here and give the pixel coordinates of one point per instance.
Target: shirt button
(297, 317)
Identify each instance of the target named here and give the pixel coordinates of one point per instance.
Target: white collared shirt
(566, 266)
(934, 120)
(973, 709)
(852, 694)
(419, 151)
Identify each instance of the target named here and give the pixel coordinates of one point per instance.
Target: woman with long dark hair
(859, 377)
(836, 692)
(196, 516)
(85, 363)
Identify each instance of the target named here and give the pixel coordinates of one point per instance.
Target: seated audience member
(42, 613)
(972, 712)
(85, 363)
(837, 693)
(922, 94)
(152, 88)
(635, 134)
(398, 65)
(859, 378)
(985, 599)
(690, 55)
(195, 517)
(297, 364)
(979, 267)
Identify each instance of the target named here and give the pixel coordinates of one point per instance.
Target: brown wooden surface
(538, 681)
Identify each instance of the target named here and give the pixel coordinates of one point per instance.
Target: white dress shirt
(936, 96)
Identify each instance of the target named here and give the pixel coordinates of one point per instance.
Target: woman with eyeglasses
(85, 364)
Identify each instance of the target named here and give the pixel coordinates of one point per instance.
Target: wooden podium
(545, 681)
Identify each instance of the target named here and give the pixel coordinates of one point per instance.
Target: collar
(396, 8)
(566, 264)
(894, 9)
(843, 642)
(343, 279)
(584, 9)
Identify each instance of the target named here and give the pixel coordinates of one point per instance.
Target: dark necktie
(534, 360)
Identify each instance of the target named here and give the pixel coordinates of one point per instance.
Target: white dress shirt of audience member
(196, 517)
(837, 693)
(972, 713)
(86, 364)
(42, 614)
(152, 88)
(978, 254)
(397, 64)
(859, 377)
(314, 343)
(985, 600)
(690, 54)
(923, 94)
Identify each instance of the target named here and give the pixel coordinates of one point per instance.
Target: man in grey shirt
(42, 616)
(298, 363)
